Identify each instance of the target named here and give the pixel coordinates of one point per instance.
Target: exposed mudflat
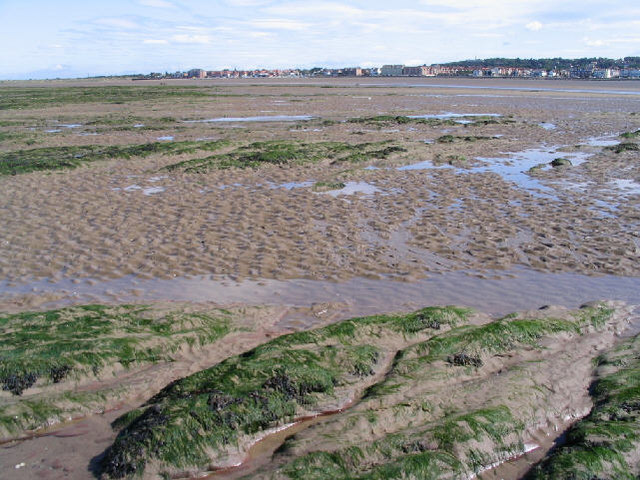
(459, 205)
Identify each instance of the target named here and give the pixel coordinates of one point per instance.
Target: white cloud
(593, 43)
(246, 3)
(534, 26)
(156, 3)
(184, 38)
(279, 24)
(150, 41)
(117, 22)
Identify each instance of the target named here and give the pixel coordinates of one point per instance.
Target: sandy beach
(359, 197)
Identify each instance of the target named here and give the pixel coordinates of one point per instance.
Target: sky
(79, 38)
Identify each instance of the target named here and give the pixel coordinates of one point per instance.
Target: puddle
(450, 115)
(292, 185)
(426, 165)
(132, 188)
(513, 168)
(138, 125)
(167, 138)
(547, 125)
(153, 190)
(371, 167)
(158, 178)
(88, 134)
(53, 130)
(352, 188)
(606, 141)
(71, 125)
(263, 118)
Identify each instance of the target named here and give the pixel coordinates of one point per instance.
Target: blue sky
(69, 38)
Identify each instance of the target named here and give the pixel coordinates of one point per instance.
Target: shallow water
(547, 125)
(604, 141)
(351, 188)
(495, 87)
(263, 118)
(496, 292)
(153, 190)
(451, 115)
(167, 138)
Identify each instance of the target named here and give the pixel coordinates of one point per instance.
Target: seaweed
(213, 410)
(56, 158)
(281, 153)
(603, 444)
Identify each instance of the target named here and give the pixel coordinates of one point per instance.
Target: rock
(561, 162)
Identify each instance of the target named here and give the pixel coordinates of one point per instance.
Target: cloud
(279, 24)
(534, 26)
(246, 3)
(185, 38)
(593, 43)
(156, 3)
(117, 22)
(150, 41)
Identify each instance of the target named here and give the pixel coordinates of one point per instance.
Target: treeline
(548, 63)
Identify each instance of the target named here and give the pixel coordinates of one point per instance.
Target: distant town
(600, 68)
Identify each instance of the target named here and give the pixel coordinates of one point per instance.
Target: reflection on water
(264, 118)
(351, 188)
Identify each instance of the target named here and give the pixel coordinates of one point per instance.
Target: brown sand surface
(458, 231)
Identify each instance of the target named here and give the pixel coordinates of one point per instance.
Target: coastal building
(392, 70)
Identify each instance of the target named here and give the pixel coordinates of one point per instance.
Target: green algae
(281, 152)
(635, 134)
(328, 186)
(444, 449)
(606, 442)
(461, 138)
(623, 147)
(56, 158)
(23, 98)
(272, 384)
(80, 341)
(204, 417)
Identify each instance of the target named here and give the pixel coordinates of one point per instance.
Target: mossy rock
(561, 162)
(624, 147)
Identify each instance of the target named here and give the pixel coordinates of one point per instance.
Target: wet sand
(442, 223)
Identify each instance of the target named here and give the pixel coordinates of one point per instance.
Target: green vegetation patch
(279, 152)
(78, 341)
(20, 98)
(635, 134)
(605, 444)
(210, 412)
(623, 147)
(55, 158)
(449, 448)
(328, 186)
(461, 138)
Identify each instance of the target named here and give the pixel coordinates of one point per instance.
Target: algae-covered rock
(561, 162)
(606, 443)
(45, 355)
(215, 415)
(444, 397)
